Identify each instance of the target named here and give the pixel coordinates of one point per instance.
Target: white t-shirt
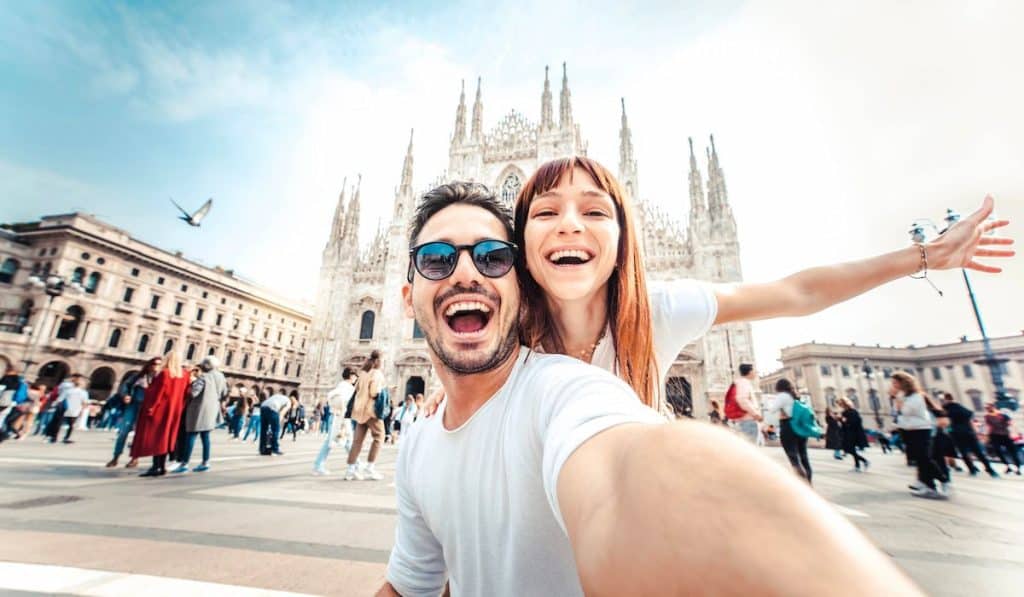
(276, 402)
(74, 400)
(681, 312)
(477, 505)
(405, 414)
(338, 397)
(781, 406)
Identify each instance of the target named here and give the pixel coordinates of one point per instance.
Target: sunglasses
(437, 260)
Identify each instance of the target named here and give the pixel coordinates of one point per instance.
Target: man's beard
(502, 352)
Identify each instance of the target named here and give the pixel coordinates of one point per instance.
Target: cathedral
(359, 304)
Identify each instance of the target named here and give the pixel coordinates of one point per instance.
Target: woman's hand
(965, 241)
(431, 402)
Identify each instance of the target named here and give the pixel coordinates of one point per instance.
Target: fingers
(994, 253)
(988, 240)
(987, 205)
(979, 267)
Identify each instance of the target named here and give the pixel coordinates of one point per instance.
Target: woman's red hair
(628, 309)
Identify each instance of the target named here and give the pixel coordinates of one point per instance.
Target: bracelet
(922, 270)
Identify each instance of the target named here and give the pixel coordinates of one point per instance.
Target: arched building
(358, 304)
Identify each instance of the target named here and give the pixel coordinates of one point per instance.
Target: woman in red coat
(157, 428)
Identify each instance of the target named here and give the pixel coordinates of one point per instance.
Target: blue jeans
(253, 426)
(748, 429)
(325, 450)
(127, 423)
(205, 436)
(236, 424)
(270, 430)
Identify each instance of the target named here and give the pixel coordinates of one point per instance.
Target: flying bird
(196, 218)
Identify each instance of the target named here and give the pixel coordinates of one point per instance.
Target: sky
(837, 124)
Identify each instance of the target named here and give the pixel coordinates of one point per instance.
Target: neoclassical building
(136, 302)
(358, 303)
(862, 373)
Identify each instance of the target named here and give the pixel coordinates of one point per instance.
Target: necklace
(587, 353)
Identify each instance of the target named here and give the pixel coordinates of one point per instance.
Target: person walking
(794, 444)
(741, 405)
(130, 397)
(238, 400)
(336, 401)
(75, 400)
(854, 438)
(271, 411)
(964, 438)
(834, 433)
(163, 402)
(998, 424)
(367, 418)
(404, 418)
(943, 450)
(295, 414)
(253, 426)
(206, 392)
(916, 426)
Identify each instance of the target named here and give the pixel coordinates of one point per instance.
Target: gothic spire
(406, 185)
(338, 224)
(565, 102)
(352, 226)
(716, 180)
(696, 185)
(546, 119)
(459, 136)
(626, 159)
(478, 114)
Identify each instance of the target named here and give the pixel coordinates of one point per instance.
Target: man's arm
(668, 508)
(817, 288)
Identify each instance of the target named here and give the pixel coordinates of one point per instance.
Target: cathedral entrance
(414, 385)
(678, 394)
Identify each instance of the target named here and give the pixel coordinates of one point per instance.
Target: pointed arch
(509, 182)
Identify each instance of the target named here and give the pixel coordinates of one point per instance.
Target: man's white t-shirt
(478, 505)
(681, 312)
(338, 397)
(74, 401)
(276, 402)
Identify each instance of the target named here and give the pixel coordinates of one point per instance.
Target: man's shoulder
(540, 367)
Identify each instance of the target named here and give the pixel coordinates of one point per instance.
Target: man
(963, 435)
(271, 411)
(998, 424)
(13, 393)
(75, 401)
(542, 475)
(745, 412)
(336, 401)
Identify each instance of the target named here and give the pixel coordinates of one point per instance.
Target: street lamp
(994, 364)
(872, 395)
(53, 285)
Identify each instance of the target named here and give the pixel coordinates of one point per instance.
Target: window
(279, 336)
(169, 345)
(976, 400)
(85, 256)
(273, 367)
(184, 287)
(303, 344)
(266, 333)
(366, 325)
(92, 283)
(845, 371)
(252, 328)
(100, 260)
(220, 318)
(259, 364)
(115, 338)
(190, 352)
(154, 302)
(129, 292)
(245, 361)
(78, 275)
(53, 251)
(135, 272)
(205, 294)
(178, 306)
(936, 373)
(298, 370)
(287, 366)
(416, 331)
(235, 325)
(968, 372)
(212, 351)
(42, 252)
(8, 270)
(68, 329)
(228, 358)
(223, 301)
(826, 370)
(199, 313)
(144, 343)
(160, 280)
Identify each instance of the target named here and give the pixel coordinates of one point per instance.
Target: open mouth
(570, 257)
(467, 318)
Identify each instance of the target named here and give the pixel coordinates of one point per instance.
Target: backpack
(382, 404)
(732, 407)
(803, 423)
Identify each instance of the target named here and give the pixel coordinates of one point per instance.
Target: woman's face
(572, 238)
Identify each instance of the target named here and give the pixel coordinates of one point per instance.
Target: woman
(794, 445)
(404, 416)
(916, 425)
(156, 430)
(833, 434)
(999, 438)
(368, 387)
(131, 395)
(585, 293)
(253, 426)
(206, 392)
(716, 414)
(854, 438)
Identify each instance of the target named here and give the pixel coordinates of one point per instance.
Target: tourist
(75, 401)
(272, 410)
(405, 416)
(741, 407)
(336, 400)
(964, 438)
(998, 424)
(519, 485)
(237, 399)
(833, 433)
(253, 425)
(130, 396)
(794, 444)
(296, 413)
(206, 392)
(916, 426)
(368, 418)
(943, 448)
(163, 403)
(715, 416)
(854, 438)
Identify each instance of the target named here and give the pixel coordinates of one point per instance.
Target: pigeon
(196, 218)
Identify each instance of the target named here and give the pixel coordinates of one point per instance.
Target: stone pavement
(257, 525)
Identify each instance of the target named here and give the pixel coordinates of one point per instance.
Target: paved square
(70, 525)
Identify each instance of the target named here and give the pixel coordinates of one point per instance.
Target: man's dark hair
(470, 193)
(347, 372)
(745, 369)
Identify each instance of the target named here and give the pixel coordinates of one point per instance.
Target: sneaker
(353, 475)
(929, 494)
(917, 486)
(974, 473)
(112, 463)
(372, 475)
(183, 468)
(945, 488)
(202, 468)
(992, 473)
(278, 453)
(867, 465)
(320, 472)
(855, 469)
(1006, 472)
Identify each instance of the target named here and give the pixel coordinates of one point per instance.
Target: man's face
(468, 319)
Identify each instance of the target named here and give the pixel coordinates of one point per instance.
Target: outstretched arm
(688, 507)
(817, 288)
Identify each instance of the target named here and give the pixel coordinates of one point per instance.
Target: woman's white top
(781, 406)
(681, 312)
(914, 413)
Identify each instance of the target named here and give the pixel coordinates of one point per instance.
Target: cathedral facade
(359, 303)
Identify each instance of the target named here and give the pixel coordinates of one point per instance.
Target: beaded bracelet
(922, 271)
